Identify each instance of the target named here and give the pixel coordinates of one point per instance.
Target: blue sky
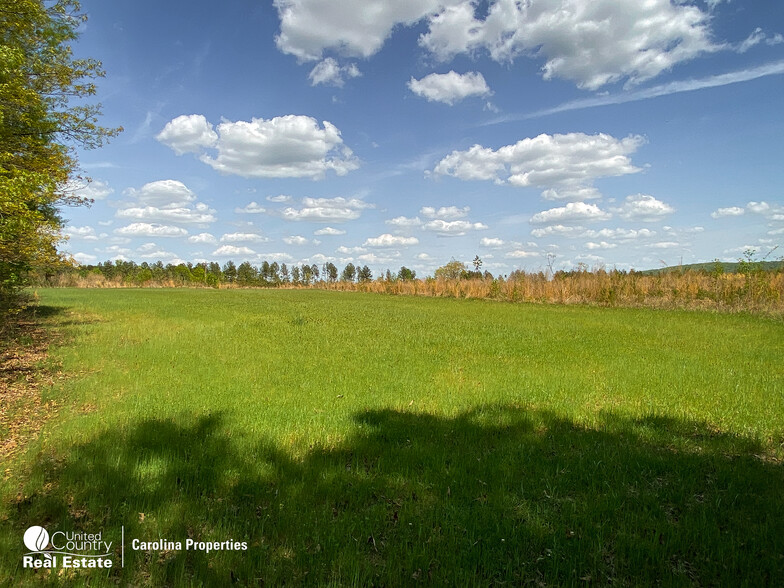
(611, 133)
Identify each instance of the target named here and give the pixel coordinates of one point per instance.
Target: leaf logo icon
(36, 538)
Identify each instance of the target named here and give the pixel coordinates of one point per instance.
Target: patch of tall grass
(755, 291)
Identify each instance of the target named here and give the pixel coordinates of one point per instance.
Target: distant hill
(729, 268)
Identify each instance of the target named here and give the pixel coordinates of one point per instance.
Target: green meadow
(364, 439)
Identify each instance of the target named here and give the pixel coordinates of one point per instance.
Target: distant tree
(451, 271)
(158, 271)
(275, 272)
(477, 263)
(214, 269)
(284, 273)
(349, 273)
(198, 273)
(306, 274)
(295, 274)
(314, 270)
(364, 274)
(230, 271)
(182, 273)
(265, 273)
(247, 275)
(331, 272)
(144, 275)
(406, 274)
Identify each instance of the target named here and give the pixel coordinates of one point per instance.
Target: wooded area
(43, 118)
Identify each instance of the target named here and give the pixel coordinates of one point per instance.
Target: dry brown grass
(757, 292)
(761, 292)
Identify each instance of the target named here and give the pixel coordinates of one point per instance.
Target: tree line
(44, 116)
(214, 275)
(244, 274)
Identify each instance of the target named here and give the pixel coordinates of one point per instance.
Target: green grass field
(358, 439)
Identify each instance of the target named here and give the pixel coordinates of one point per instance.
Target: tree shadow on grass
(498, 495)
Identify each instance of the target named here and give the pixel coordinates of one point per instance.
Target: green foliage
(230, 271)
(199, 274)
(451, 271)
(364, 274)
(349, 273)
(331, 272)
(247, 275)
(747, 264)
(213, 281)
(406, 274)
(306, 274)
(718, 268)
(42, 117)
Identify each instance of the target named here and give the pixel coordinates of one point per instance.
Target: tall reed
(757, 292)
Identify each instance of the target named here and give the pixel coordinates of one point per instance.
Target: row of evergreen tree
(213, 274)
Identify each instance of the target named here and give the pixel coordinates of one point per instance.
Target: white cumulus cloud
(188, 134)
(84, 233)
(295, 240)
(729, 211)
(572, 212)
(355, 28)
(326, 210)
(404, 221)
(291, 146)
(522, 254)
(168, 201)
(150, 230)
(566, 163)
(201, 214)
(455, 228)
(94, 190)
(330, 73)
(85, 258)
(590, 43)
(329, 231)
(163, 193)
(252, 208)
(450, 87)
(758, 207)
(492, 242)
(202, 238)
(387, 240)
(445, 212)
(350, 250)
(600, 245)
(643, 207)
(243, 238)
(160, 254)
(229, 250)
